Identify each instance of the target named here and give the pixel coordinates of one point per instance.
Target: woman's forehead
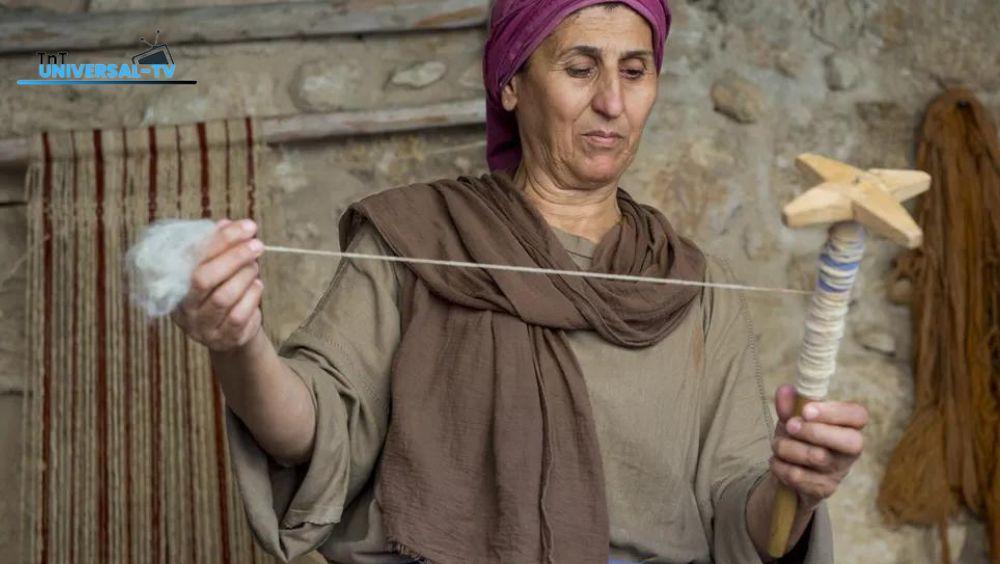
(619, 31)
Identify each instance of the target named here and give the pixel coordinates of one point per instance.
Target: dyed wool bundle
(947, 457)
(160, 264)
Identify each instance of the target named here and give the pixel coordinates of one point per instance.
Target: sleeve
(343, 353)
(736, 429)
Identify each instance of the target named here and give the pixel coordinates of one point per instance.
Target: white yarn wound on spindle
(838, 267)
(162, 261)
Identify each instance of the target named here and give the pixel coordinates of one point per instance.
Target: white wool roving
(161, 262)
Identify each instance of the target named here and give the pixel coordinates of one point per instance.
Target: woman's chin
(601, 169)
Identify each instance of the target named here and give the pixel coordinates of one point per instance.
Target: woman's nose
(608, 100)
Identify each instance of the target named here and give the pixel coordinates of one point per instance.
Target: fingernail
(248, 225)
(810, 412)
(256, 246)
(794, 425)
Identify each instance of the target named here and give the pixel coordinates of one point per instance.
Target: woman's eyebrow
(638, 54)
(586, 50)
(595, 52)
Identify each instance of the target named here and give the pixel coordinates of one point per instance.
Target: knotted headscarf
(517, 28)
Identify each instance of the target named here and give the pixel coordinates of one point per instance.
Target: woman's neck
(588, 213)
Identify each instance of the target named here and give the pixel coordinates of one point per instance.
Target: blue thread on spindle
(830, 261)
(839, 276)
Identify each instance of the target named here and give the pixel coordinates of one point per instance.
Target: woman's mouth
(603, 138)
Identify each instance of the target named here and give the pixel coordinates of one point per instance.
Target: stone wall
(746, 87)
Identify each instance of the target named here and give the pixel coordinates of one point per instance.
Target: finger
(179, 316)
(243, 311)
(803, 454)
(251, 327)
(807, 482)
(845, 414)
(213, 311)
(227, 235)
(784, 401)
(209, 275)
(844, 440)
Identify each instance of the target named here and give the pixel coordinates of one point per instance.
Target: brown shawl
(491, 453)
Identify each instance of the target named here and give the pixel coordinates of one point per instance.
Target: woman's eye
(635, 74)
(579, 72)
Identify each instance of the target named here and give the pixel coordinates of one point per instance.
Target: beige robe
(683, 427)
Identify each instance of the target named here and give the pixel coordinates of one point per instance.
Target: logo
(155, 65)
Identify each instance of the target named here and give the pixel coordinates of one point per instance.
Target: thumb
(784, 401)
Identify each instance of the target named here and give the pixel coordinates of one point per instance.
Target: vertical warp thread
(153, 341)
(127, 362)
(251, 192)
(218, 400)
(74, 360)
(46, 395)
(180, 438)
(103, 455)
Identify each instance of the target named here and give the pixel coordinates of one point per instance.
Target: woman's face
(584, 97)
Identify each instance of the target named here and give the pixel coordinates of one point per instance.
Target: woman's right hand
(222, 309)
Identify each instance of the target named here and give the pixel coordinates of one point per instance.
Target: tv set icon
(157, 54)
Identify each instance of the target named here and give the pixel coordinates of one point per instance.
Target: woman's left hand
(814, 452)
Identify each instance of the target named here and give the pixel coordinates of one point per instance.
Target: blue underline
(23, 82)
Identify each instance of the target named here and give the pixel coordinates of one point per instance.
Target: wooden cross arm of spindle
(871, 198)
(851, 199)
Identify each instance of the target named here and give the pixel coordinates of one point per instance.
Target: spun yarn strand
(161, 263)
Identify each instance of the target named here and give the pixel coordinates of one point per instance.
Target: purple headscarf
(517, 27)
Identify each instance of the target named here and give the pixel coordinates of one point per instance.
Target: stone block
(420, 75)
(841, 72)
(738, 98)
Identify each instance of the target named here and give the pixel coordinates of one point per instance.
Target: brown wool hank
(947, 456)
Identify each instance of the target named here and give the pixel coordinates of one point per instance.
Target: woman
(472, 415)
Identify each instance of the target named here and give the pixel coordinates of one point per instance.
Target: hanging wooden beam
(14, 151)
(28, 32)
(307, 127)
(301, 127)
(11, 385)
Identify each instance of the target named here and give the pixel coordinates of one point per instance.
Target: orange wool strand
(948, 455)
